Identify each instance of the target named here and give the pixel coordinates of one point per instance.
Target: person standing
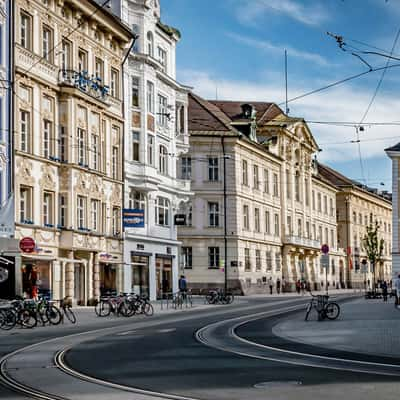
(384, 288)
(182, 284)
(298, 286)
(271, 285)
(397, 289)
(278, 286)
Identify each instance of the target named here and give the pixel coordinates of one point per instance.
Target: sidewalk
(331, 292)
(364, 326)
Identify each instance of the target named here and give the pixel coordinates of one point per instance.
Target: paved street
(240, 351)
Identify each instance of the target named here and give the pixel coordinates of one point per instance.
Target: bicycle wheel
(147, 309)
(210, 298)
(103, 309)
(228, 298)
(125, 309)
(27, 318)
(332, 311)
(69, 314)
(41, 315)
(54, 315)
(307, 312)
(8, 319)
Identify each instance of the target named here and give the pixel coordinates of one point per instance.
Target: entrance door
(140, 275)
(79, 284)
(163, 276)
(108, 279)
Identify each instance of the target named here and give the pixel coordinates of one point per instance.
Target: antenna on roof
(286, 85)
(216, 91)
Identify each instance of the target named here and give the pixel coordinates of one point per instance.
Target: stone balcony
(302, 242)
(142, 176)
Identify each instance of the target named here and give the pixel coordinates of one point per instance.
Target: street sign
(325, 249)
(180, 219)
(27, 245)
(325, 260)
(364, 266)
(3, 274)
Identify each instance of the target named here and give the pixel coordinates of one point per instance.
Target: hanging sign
(27, 245)
(133, 218)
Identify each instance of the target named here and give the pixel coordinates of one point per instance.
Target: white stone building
(156, 136)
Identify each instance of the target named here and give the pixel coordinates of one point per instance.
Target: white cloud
(345, 103)
(276, 48)
(249, 11)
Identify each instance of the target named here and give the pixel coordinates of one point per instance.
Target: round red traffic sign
(325, 249)
(27, 245)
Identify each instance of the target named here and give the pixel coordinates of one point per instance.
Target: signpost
(27, 245)
(325, 263)
(364, 270)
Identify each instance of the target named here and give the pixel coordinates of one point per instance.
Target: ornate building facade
(69, 145)
(156, 136)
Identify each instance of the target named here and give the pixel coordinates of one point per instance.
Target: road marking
(125, 333)
(166, 330)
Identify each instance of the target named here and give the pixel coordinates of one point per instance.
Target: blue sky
(235, 48)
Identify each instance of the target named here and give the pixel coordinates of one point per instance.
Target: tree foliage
(372, 245)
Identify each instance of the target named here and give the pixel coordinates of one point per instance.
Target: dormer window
(247, 110)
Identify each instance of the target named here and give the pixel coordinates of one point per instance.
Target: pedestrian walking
(384, 288)
(182, 284)
(298, 286)
(270, 284)
(278, 286)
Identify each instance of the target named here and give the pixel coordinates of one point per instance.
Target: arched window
(136, 32)
(150, 44)
(163, 160)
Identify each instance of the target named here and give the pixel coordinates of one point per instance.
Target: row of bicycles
(28, 313)
(124, 304)
(219, 297)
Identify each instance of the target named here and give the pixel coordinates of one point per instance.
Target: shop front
(163, 274)
(140, 273)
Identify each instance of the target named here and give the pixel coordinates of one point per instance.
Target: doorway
(108, 279)
(140, 275)
(79, 284)
(163, 276)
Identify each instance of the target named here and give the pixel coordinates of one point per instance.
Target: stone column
(89, 277)
(56, 280)
(175, 274)
(152, 278)
(96, 277)
(70, 277)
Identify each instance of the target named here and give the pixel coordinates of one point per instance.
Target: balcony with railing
(302, 242)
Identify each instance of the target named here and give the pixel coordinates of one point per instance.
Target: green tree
(373, 246)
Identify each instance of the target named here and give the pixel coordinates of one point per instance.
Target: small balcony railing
(89, 84)
(301, 241)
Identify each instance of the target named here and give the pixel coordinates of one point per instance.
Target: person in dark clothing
(384, 287)
(298, 286)
(278, 286)
(182, 284)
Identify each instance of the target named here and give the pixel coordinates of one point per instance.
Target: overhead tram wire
(51, 51)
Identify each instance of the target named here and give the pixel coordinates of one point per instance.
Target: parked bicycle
(66, 308)
(219, 297)
(15, 313)
(324, 307)
(117, 305)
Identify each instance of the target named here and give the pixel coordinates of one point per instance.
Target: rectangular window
(81, 147)
(150, 150)
(313, 199)
(189, 215)
(288, 183)
(276, 224)
(186, 165)
(256, 180)
(62, 204)
(308, 233)
(332, 209)
(332, 238)
(63, 144)
(162, 211)
(306, 194)
(267, 223)
(258, 260)
(162, 58)
(187, 254)
(257, 219)
(135, 146)
(163, 160)
(268, 255)
(104, 218)
(66, 55)
(135, 92)
(25, 121)
(277, 262)
(81, 212)
(150, 97)
(162, 110)
(246, 217)
(247, 263)
(289, 225)
(297, 187)
(116, 221)
(319, 202)
(245, 179)
(212, 168)
(26, 31)
(115, 162)
(47, 44)
(82, 60)
(325, 205)
(213, 214)
(47, 139)
(213, 257)
(25, 205)
(99, 68)
(48, 219)
(299, 228)
(276, 185)
(114, 83)
(266, 181)
(95, 214)
(95, 151)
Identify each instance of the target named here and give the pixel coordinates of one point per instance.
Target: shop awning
(115, 262)
(39, 257)
(72, 261)
(5, 261)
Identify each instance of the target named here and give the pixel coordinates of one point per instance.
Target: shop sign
(133, 218)
(180, 219)
(105, 257)
(27, 245)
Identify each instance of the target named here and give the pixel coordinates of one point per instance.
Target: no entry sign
(27, 245)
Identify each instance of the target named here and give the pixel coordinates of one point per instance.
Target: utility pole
(225, 219)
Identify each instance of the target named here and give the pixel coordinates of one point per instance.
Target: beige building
(357, 207)
(280, 210)
(69, 144)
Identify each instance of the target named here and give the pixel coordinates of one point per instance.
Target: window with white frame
(187, 254)
(276, 185)
(48, 219)
(95, 214)
(48, 139)
(186, 168)
(25, 126)
(289, 227)
(319, 202)
(277, 262)
(258, 260)
(246, 224)
(163, 160)
(267, 222)
(325, 205)
(25, 204)
(297, 186)
(257, 219)
(95, 151)
(266, 181)
(115, 162)
(299, 228)
(99, 68)
(82, 60)
(256, 178)
(137, 200)
(276, 224)
(308, 232)
(213, 257)
(162, 211)
(247, 263)
(114, 83)
(288, 185)
(47, 43)
(81, 212)
(66, 55)
(62, 207)
(63, 144)
(135, 92)
(245, 173)
(150, 150)
(213, 169)
(268, 255)
(135, 146)
(313, 199)
(213, 214)
(306, 194)
(116, 221)
(150, 97)
(162, 110)
(162, 58)
(81, 147)
(150, 44)
(26, 30)
(189, 215)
